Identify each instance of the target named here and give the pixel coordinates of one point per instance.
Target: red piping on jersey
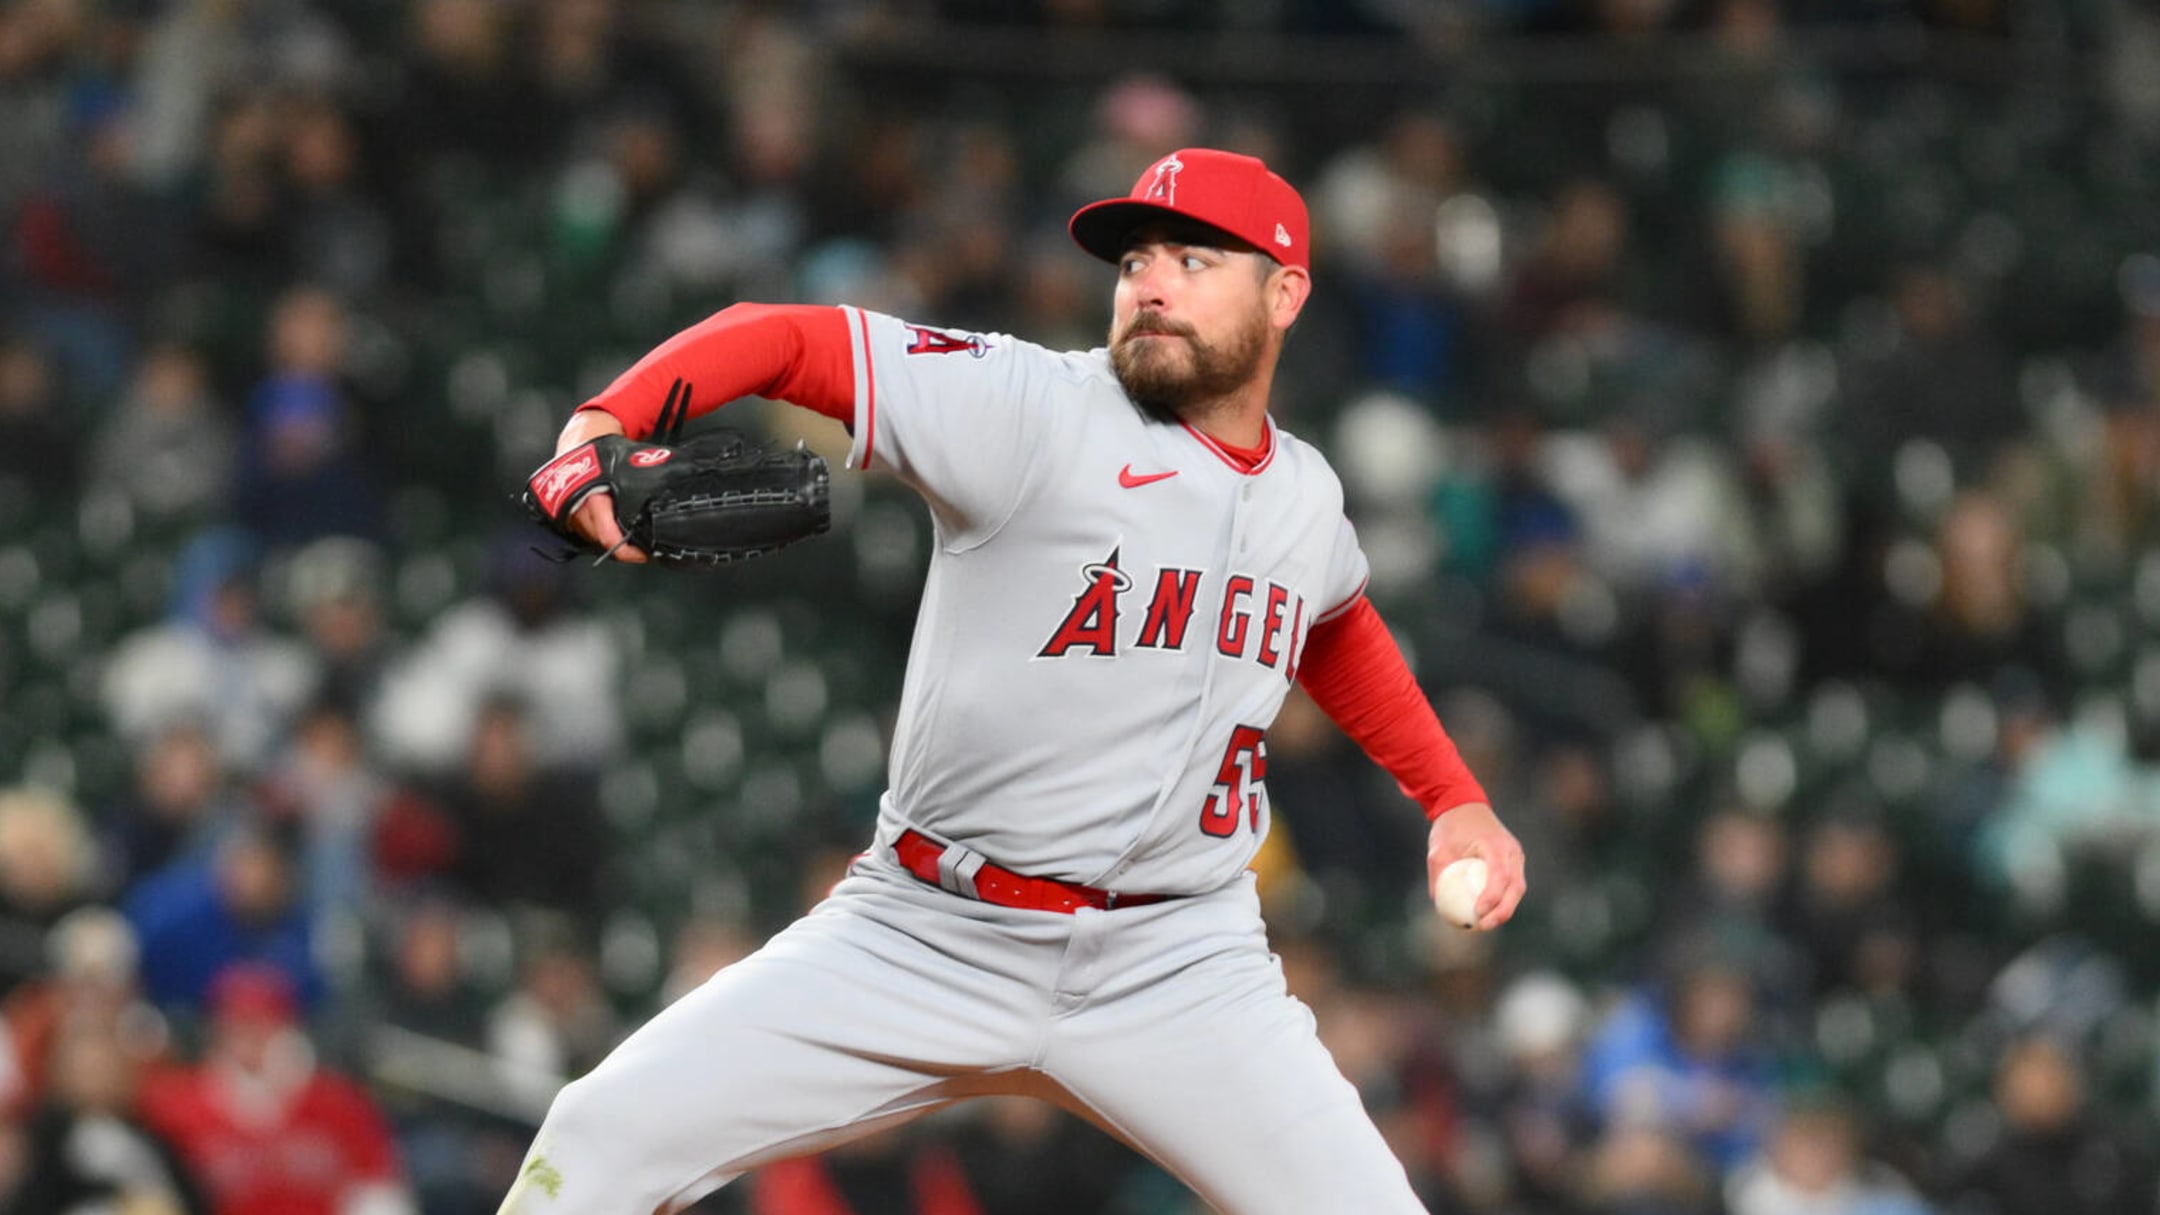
(862, 321)
(798, 353)
(1356, 674)
(1335, 613)
(1247, 460)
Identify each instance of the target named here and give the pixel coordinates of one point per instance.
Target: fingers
(1505, 886)
(595, 520)
(1473, 830)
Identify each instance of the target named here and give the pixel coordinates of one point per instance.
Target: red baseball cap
(253, 991)
(1237, 194)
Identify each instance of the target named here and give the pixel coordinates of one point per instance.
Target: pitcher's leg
(1216, 1072)
(838, 1026)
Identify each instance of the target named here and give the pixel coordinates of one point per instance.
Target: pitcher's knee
(570, 1145)
(581, 1103)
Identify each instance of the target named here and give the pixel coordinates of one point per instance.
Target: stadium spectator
(179, 802)
(526, 837)
(240, 903)
(902, 1171)
(48, 868)
(1740, 876)
(1134, 118)
(1645, 1170)
(1538, 1114)
(425, 985)
(556, 1023)
(523, 639)
(1657, 511)
(168, 448)
(1940, 380)
(1580, 270)
(1689, 1061)
(1410, 321)
(465, 95)
(335, 588)
(88, 245)
(1415, 165)
(424, 998)
(1812, 1164)
(87, 1149)
(1022, 1156)
(342, 237)
(303, 474)
(239, 229)
(1974, 619)
(213, 660)
(336, 803)
(2054, 1156)
(267, 1129)
(2117, 496)
(1845, 915)
(92, 983)
(640, 202)
(39, 442)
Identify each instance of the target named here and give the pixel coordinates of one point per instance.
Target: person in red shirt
(264, 1130)
(880, 1170)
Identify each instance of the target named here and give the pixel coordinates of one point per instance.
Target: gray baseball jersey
(1113, 614)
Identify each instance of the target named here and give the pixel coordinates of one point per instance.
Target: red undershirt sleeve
(1354, 672)
(797, 353)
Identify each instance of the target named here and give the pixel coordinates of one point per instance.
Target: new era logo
(1282, 236)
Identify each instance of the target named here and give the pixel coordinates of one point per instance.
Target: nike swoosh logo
(1131, 480)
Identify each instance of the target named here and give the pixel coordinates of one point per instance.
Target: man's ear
(1287, 290)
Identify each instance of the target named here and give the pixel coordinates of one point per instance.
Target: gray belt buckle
(957, 867)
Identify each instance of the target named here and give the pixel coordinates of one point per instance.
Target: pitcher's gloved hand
(711, 499)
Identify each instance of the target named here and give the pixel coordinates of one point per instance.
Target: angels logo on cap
(1236, 194)
(1165, 188)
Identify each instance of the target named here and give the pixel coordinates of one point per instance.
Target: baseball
(1455, 892)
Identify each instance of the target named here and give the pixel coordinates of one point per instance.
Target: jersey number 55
(1237, 783)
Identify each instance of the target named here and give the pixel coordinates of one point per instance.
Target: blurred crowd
(1758, 459)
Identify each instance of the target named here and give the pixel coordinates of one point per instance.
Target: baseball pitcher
(1133, 564)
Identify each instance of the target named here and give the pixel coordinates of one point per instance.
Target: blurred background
(1751, 409)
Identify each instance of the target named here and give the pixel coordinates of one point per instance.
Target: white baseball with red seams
(1456, 889)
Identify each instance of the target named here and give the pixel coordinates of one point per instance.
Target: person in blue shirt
(239, 902)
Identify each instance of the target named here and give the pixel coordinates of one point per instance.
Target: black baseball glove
(711, 499)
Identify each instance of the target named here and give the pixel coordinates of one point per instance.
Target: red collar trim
(1249, 461)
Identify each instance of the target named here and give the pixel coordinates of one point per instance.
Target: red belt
(968, 874)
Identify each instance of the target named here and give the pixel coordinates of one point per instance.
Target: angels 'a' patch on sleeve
(925, 340)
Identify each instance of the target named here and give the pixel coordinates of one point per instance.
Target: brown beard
(1151, 377)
